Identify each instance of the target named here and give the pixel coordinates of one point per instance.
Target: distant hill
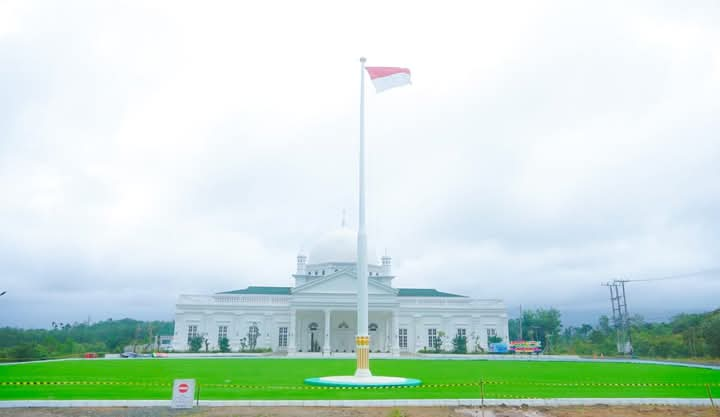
(65, 339)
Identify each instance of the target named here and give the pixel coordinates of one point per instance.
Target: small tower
(386, 265)
(301, 264)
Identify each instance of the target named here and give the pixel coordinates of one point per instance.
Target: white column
(292, 347)
(267, 328)
(326, 345)
(447, 343)
(420, 333)
(396, 334)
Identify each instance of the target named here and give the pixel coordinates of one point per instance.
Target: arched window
(373, 327)
(313, 326)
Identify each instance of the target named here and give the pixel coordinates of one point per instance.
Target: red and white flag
(385, 78)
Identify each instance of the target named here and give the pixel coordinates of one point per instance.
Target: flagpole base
(362, 347)
(363, 373)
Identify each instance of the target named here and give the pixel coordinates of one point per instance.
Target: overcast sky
(151, 149)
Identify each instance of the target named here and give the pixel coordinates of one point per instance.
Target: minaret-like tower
(386, 265)
(301, 264)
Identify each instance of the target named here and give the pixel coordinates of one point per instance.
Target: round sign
(183, 388)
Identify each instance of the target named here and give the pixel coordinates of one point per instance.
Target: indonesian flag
(386, 78)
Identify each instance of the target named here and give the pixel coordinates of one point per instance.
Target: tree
(224, 344)
(438, 341)
(243, 344)
(543, 325)
(196, 343)
(459, 344)
(711, 332)
(514, 329)
(252, 336)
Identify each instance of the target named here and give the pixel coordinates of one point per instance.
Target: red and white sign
(183, 393)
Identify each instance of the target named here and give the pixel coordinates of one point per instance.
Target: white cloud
(154, 149)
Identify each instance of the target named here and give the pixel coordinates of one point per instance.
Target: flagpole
(362, 341)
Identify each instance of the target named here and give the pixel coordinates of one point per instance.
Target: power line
(618, 302)
(679, 276)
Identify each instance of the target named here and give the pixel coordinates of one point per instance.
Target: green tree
(459, 344)
(195, 343)
(224, 344)
(543, 325)
(711, 332)
(438, 341)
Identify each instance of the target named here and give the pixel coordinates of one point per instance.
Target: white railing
(465, 302)
(244, 299)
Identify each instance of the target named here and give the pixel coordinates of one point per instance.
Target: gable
(342, 282)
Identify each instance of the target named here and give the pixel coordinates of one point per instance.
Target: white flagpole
(362, 341)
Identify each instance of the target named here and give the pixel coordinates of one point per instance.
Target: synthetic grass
(273, 379)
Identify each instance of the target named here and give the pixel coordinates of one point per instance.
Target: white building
(318, 314)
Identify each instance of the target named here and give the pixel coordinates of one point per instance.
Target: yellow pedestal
(362, 347)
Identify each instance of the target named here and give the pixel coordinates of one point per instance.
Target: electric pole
(620, 316)
(521, 320)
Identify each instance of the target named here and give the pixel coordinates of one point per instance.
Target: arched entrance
(314, 341)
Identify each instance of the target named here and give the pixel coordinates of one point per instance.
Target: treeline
(65, 339)
(684, 336)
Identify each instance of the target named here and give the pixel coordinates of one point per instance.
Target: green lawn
(283, 379)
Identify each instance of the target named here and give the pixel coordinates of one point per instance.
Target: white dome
(338, 246)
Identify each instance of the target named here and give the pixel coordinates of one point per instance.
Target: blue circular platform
(365, 381)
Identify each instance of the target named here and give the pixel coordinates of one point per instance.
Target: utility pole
(521, 320)
(620, 316)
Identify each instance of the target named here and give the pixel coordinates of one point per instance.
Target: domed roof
(339, 245)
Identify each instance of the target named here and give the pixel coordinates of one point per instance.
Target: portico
(333, 331)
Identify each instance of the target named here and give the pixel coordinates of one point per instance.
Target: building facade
(318, 314)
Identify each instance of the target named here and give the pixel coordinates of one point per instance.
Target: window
(222, 333)
(313, 327)
(192, 331)
(282, 337)
(373, 327)
(491, 333)
(402, 335)
(432, 338)
(461, 332)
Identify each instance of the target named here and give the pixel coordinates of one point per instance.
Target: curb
(549, 402)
